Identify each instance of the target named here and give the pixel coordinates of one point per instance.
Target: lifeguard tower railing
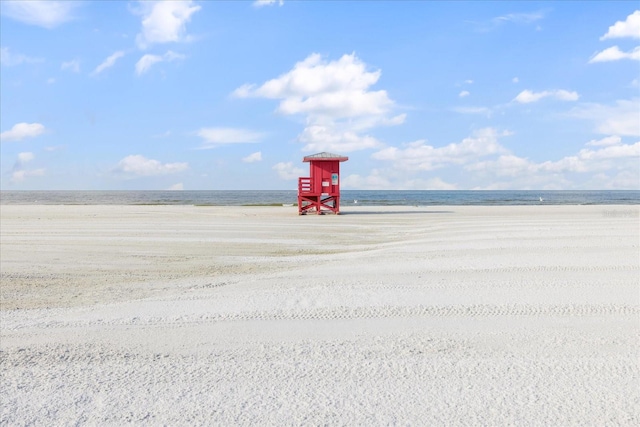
(304, 185)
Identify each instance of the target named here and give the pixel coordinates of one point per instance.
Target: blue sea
(348, 197)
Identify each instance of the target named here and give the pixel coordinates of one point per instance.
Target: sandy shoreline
(182, 315)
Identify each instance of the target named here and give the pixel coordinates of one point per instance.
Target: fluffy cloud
(143, 65)
(527, 96)
(43, 13)
(288, 171)
(22, 174)
(214, 137)
(388, 180)
(586, 160)
(19, 173)
(610, 165)
(486, 164)
(609, 140)
(419, 155)
(315, 86)
(627, 28)
(108, 63)
(336, 98)
(253, 157)
(615, 54)
(148, 60)
(138, 165)
(611, 152)
(9, 59)
(464, 93)
(21, 131)
(328, 138)
(25, 157)
(622, 118)
(165, 22)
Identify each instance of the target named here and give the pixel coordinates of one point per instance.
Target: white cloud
(335, 97)
(176, 187)
(165, 22)
(344, 103)
(143, 65)
(609, 140)
(22, 174)
(380, 180)
(51, 80)
(19, 173)
(108, 63)
(253, 157)
(625, 179)
(262, 3)
(611, 152)
(519, 18)
(464, 93)
(585, 161)
(73, 65)
(419, 155)
(148, 60)
(25, 157)
(20, 131)
(288, 171)
(615, 54)
(515, 80)
(214, 137)
(9, 59)
(623, 118)
(244, 91)
(627, 28)
(328, 138)
(55, 148)
(315, 86)
(44, 13)
(504, 165)
(527, 96)
(141, 166)
(486, 164)
(473, 110)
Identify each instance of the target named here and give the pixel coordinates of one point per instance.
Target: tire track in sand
(350, 313)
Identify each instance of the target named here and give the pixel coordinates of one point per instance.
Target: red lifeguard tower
(320, 192)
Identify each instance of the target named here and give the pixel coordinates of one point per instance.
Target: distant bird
(541, 200)
(355, 201)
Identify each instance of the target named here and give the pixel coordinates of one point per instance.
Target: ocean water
(348, 197)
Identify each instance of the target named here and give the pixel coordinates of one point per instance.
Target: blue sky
(212, 95)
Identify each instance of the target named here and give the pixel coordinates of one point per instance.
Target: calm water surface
(349, 197)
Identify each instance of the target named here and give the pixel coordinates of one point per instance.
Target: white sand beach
(446, 315)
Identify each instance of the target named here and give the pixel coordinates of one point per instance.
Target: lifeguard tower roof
(324, 156)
